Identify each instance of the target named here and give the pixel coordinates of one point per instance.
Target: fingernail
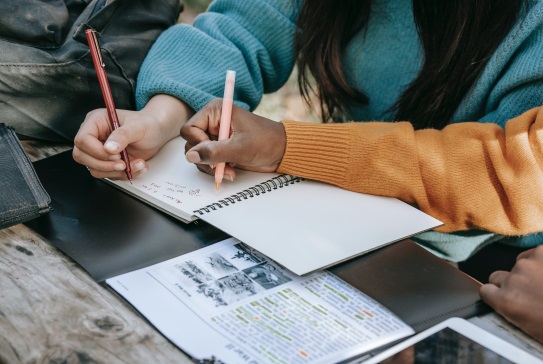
(139, 166)
(193, 157)
(111, 146)
(114, 157)
(144, 170)
(118, 166)
(229, 177)
(212, 166)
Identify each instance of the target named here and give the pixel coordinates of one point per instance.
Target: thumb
(490, 293)
(120, 138)
(210, 152)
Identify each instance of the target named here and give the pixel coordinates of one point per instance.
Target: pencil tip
(217, 185)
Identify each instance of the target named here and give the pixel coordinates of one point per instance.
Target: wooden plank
(37, 150)
(51, 311)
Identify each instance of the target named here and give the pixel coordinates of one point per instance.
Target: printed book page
(230, 302)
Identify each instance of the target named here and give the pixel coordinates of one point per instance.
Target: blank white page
(309, 225)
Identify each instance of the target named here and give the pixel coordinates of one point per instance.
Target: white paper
(322, 223)
(228, 301)
(310, 225)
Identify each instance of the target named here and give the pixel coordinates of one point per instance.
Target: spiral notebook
(282, 216)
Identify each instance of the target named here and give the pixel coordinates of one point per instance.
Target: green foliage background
(197, 5)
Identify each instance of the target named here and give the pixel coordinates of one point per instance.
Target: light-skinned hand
(142, 134)
(255, 143)
(518, 295)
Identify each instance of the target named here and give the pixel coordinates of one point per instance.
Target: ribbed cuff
(316, 151)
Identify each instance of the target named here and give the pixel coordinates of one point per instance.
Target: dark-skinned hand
(255, 143)
(518, 295)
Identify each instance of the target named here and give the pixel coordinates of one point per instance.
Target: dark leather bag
(47, 79)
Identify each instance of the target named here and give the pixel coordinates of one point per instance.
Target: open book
(282, 216)
(228, 302)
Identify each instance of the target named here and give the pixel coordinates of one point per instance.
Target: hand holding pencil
(99, 65)
(255, 143)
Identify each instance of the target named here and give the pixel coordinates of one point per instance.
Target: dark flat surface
(109, 232)
(420, 288)
(105, 230)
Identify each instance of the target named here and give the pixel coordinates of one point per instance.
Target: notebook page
(309, 225)
(177, 186)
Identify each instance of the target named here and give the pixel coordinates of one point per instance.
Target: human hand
(518, 295)
(255, 144)
(142, 134)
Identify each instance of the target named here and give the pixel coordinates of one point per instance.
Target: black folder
(109, 233)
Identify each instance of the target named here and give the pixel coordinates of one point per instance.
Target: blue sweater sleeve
(253, 38)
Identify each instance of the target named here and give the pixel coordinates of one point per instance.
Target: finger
(229, 173)
(120, 138)
(96, 124)
(89, 144)
(115, 175)
(497, 278)
(490, 293)
(204, 125)
(193, 157)
(526, 254)
(194, 135)
(139, 167)
(97, 164)
(206, 168)
(188, 146)
(215, 152)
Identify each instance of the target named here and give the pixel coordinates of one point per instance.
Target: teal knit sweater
(255, 38)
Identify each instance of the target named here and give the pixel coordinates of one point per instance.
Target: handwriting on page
(169, 191)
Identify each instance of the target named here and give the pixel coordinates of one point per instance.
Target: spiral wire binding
(261, 188)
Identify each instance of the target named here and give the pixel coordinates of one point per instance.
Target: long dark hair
(458, 38)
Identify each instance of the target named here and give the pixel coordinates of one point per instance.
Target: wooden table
(51, 311)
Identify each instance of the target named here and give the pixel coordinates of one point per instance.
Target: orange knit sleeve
(468, 175)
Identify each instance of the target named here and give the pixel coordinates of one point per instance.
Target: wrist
(280, 143)
(169, 113)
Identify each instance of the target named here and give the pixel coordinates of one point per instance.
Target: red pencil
(100, 66)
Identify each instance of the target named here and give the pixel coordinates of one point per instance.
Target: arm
(468, 175)
(254, 38)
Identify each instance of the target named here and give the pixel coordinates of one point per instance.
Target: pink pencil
(226, 115)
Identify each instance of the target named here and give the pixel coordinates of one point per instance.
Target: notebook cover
(109, 233)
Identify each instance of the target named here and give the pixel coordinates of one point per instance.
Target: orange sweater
(468, 175)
